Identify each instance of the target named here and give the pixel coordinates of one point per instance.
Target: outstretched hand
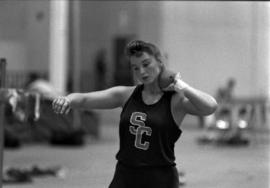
(61, 105)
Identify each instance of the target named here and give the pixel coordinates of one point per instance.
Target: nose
(142, 71)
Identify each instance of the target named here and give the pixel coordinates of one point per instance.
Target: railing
(2, 85)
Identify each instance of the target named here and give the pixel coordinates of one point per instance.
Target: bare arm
(193, 101)
(197, 102)
(105, 99)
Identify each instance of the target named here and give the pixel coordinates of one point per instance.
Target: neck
(152, 89)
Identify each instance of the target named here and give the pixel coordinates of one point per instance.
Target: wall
(37, 34)
(218, 40)
(101, 22)
(12, 34)
(260, 46)
(150, 21)
(24, 32)
(212, 40)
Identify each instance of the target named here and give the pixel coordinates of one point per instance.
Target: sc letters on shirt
(138, 128)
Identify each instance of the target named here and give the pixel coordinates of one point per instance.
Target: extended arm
(106, 99)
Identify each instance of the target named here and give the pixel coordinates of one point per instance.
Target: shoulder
(123, 92)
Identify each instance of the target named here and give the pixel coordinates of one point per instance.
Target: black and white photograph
(134, 94)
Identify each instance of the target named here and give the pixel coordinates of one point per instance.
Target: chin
(147, 82)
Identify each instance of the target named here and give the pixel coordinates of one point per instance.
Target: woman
(150, 119)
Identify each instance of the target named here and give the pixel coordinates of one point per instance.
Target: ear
(161, 63)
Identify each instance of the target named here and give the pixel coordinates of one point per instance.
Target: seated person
(42, 86)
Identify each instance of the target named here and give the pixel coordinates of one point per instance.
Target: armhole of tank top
(129, 98)
(171, 111)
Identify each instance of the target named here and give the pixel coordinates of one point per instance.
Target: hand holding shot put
(151, 117)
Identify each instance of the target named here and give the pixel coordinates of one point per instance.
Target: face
(145, 68)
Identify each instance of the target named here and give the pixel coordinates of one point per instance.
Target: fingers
(180, 84)
(67, 110)
(61, 105)
(177, 77)
(169, 88)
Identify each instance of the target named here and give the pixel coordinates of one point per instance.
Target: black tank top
(147, 132)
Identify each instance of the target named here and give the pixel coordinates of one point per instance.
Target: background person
(226, 93)
(37, 84)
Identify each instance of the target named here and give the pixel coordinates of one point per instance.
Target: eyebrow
(147, 59)
(143, 61)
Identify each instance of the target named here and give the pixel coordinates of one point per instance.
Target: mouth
(145, 78)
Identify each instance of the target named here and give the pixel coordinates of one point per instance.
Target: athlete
(150, 119)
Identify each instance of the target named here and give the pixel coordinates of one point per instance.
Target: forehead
(134, 60)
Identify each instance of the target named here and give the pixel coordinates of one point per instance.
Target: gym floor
(92, 165)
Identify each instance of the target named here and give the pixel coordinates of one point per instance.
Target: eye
(135, 68)
(145, 64)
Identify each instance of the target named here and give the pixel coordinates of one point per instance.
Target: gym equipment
(227, 129)
(3, 63)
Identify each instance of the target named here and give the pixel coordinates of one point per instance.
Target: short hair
(137, 47)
